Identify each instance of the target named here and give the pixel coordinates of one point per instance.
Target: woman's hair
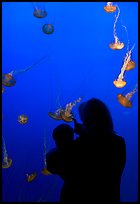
(95, 112)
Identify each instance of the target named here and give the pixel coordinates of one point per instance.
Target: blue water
(78, 63)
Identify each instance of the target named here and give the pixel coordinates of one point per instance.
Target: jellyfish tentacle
(114, 30)
(128, 42)
(16, 72)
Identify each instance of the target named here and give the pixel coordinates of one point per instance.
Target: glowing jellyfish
(56, 115)
(23, 119)
(45, 171)
(66, 113)
(3, 90)
(31, 177)
(124, 100)
(39, 9)
(6, 162)
(119, 83)
(130, 64)
(9, 80)
(109, 8)
(117, 45)
(48, 28)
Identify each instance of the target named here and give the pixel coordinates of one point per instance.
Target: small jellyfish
(48, 28)
(6, 162)
(124, 100)
(66, 115)
(109, 8)
(39, 9)
(45, 171)
(117, 45)
(31, 177)
(130, 63)
(56, 115)
(3, 90)
(119, 83)
(23, 119)
(9, 80)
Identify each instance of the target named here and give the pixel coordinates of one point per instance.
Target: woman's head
(95, 112)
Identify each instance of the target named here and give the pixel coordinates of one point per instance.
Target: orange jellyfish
(9, 80)
(39, 9)
(6, 162)
(45, 171)
(23, 119)
(31, 177)
(3, 90)
(130, 64)
(109, 8)
(124, 100)
(56, 115)
(66, 114)
(119, 83)
(117, 45)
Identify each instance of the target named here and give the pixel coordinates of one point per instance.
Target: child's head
(63, 135)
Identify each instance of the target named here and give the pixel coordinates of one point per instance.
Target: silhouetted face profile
(63, 135)
(95, 112)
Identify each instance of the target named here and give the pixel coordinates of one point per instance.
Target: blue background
(79, 63)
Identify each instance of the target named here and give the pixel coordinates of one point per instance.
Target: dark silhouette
(63, 136)
(93, 164)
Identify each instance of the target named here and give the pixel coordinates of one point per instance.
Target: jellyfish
(45, 171)
(117, 45)
(48, 28)
(131, 64)
(23, 119)
(124, 100)
(109, 8)
(56, 115)
(31, 177)
(3, 90)
(119, 83)
(39, 9)
(6, 162)
(9, 80)
(66, 113)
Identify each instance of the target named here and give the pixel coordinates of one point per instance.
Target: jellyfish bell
(8, 80)
(55, 115)
(66, 116)
(131, 65)
(6, 163)
(38, 13)
(22, 119)
(123, 100)
(109, 8)
(45, 172)
(31, 177)
(48, 28)
(119, 83)
(116, 46)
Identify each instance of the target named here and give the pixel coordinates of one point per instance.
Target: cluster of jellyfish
(9, 80)
(65, 113)
(128, 63)
(40, 12)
